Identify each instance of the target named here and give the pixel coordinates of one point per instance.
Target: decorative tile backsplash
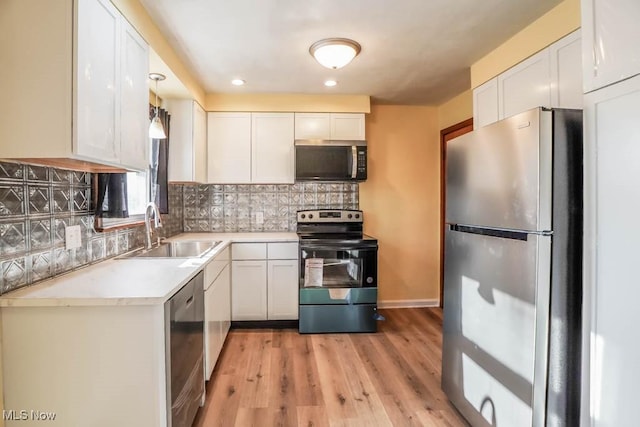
(233, 208)
(36, 204)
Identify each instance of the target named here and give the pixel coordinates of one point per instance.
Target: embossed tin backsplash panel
(233, 207)
(36, 204)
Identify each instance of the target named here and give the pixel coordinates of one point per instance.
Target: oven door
(344, 265)
(338, 287)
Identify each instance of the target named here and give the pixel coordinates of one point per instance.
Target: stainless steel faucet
(156, 221)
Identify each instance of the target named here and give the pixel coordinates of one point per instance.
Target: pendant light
(156, 131)
(334, 53)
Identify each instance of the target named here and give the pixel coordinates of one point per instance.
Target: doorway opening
(447, 135)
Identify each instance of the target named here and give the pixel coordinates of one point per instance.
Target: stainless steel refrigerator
(513, 271)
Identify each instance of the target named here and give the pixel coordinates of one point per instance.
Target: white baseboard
(409, 303)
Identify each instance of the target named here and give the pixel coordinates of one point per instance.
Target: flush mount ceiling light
(330, 83)
(237, 82)
(334, 53)
(156, 131)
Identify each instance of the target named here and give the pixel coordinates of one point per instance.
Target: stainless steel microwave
(330, 160)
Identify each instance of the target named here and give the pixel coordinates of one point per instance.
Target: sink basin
(183, 249)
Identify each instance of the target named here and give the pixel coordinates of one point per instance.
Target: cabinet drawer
(282, 250)
(213, 269)
(241, 251)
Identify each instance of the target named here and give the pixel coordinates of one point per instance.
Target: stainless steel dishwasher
(184, 327)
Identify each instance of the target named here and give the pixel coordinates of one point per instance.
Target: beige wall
(456, 110)
(142, 22)
(401, 200)
(288, 102)
(552, 26)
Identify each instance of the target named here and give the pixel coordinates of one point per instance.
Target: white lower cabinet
(217, 308)
(249, 290)
(282, 295)
(217, 317)
(264, 281)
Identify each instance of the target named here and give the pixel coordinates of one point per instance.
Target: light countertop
(130, 281)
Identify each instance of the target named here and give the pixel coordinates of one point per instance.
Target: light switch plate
(72, 238)
(259, 217)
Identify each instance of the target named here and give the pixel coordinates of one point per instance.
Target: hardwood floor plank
(282, 395)
(306, 372)
(255, 392)
(312, 416)
(281, 378)
(337, 397)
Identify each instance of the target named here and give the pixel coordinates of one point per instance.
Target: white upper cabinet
(485, 103)
(348, 126)
(78, 84)
(525, 86)
(134, 112)
(313, 126)
(272, 148)
(250, 148)
(566, 72)
(188, 141)
(550, 78)
(610, 41)
(229, 148)
(341, 126)
(98, 79)
(611, 292)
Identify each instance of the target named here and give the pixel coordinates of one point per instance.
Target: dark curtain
(159, 182)
(111, 201)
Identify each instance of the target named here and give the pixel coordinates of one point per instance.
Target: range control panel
(330, 215)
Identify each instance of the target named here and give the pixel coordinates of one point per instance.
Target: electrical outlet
(259, 217)
(72, 238)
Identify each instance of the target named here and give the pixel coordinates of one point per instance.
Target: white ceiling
(413, 51)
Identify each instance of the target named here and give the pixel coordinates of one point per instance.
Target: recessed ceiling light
(330, 83)
(237, 82)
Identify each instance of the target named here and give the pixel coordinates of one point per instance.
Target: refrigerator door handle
(503, 234)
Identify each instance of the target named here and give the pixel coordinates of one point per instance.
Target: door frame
(461, 128)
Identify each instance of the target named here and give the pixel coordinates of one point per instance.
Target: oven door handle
(339, 247)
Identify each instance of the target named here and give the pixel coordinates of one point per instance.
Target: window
(119, 199)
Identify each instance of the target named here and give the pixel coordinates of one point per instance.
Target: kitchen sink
(183, 249)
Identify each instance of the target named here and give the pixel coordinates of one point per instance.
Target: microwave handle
(354, 161)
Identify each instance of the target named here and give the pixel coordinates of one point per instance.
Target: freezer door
(499, 176)
(496, 304)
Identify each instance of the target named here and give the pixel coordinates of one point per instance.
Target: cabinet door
(97, 88)
(229, 148)
(224, 302)
(199, 143)
(312, 126)
(525, 86)
(211, 331)
(485, 104)
(282, 292)
(272, 148)
(610, 33)
(249, 290)
(134, 99)
(217, 312)
(611, 292)
(349, 126)
(181, 154)
(566, 72)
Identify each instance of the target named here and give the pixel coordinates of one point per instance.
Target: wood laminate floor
(276, 377)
